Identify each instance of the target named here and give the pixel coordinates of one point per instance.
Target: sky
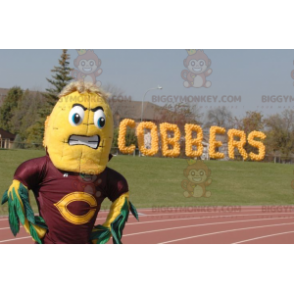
(246, 73)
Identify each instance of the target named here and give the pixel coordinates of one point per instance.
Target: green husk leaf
(24, 195)
(12, 217)
(34, 234)
(119, 223)
(18, 207)
(102, 234)
(134, 211)
(4, 197)
(39, 221)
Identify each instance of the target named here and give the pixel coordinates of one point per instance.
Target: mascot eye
(202, 173)
(76, 116)
(192, 173)
(83, 63)
(92, 63)
(99, 118)
(193, 63)
(201, 63)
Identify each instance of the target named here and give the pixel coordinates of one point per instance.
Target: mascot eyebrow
(85, 108)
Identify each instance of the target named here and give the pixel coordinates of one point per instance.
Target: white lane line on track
(205, 213)
(182, 219)
(174, 219)
(6, 228)
(203, 217)
(8, 240)
(187, 219)
(217, 215)
(226, 231)
(199, 225)
(265, 236)
(196, 236)
(4, 218)
(178, 219)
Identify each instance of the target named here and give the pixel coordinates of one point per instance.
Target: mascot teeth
(92, 142)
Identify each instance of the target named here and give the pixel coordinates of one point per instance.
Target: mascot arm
(115, 222)
(20, 209)
(26, 177)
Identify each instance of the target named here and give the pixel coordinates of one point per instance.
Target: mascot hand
(115, 222)
(20, 209)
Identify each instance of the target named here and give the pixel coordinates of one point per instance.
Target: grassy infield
(157, 181)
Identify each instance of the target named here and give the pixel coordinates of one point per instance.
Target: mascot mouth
(87, 69)
(92, 142)
(196, 69)
(195, 179)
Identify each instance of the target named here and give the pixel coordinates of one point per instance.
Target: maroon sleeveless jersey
(69, 202)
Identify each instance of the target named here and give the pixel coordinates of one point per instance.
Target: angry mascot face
(79, 131)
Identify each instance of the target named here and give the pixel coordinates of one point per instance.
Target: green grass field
(157, 181)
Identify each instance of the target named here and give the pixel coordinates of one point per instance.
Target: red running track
(195, 225)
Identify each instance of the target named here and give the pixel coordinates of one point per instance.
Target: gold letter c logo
(72, 197)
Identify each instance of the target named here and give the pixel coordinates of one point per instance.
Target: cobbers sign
(174, 142)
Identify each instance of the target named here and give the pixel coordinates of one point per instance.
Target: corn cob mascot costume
(72, 180)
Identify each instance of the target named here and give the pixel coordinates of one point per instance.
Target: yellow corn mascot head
(79, 131)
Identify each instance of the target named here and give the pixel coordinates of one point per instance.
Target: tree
(252, 121)
(10, 103)
(130, 137)
(280, 133)
(113, 90)
(58, 81)
(26, 113)
(115, 104)
(178, 114)
(33, 137)
(19, 112)
(32, 114)
(219, 116)
(17, 143)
